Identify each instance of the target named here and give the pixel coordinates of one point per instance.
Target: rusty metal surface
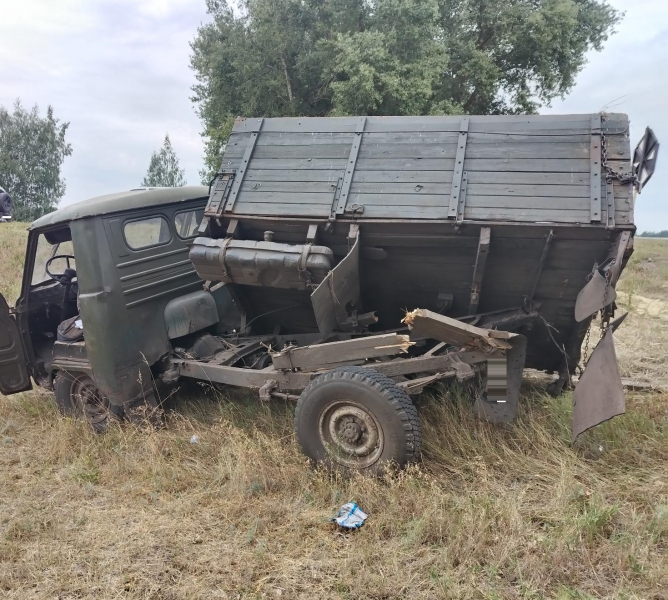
(599, 395)
(594, 296)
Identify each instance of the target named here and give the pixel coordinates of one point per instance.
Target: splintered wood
(428, 324)
(355, 351)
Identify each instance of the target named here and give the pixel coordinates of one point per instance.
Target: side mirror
(644, 158)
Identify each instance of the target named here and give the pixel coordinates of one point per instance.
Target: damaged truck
(346, 264)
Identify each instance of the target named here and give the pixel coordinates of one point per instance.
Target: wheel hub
(352, 433)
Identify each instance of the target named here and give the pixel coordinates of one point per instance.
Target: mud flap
(599, 394)
(504, 379)
(593, 297)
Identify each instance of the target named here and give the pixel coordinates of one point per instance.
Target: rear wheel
(78, 395)
(357, 419)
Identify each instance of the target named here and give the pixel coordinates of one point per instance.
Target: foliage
(163, 170)
(32, 151)
(655, 234)
(340, 57)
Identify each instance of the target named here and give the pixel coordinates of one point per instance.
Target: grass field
(488, 512)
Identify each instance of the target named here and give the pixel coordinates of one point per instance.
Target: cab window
(187, 222)
(47, 250)
(144, 233)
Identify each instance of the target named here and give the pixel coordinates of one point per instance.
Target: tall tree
(32, 151)
(378, 57)
(163, 170)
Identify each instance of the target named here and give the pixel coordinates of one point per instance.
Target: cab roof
(123, 201)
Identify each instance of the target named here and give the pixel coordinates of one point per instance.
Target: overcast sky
(118, 71)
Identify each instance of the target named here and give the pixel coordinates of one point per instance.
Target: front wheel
(358, 419)
(78, 395)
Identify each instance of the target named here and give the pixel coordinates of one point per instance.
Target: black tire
(5, 203)
(357, 419)
(78, 395)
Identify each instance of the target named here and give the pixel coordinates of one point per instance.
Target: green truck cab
(112, 265)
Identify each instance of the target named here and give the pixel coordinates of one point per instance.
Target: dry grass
(488, 513)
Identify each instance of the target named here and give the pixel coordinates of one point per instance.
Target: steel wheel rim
(351, 434)
(89, 401)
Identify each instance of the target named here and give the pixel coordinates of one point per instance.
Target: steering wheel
(65, 277)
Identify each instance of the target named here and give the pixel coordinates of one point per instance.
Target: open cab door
(14, 374)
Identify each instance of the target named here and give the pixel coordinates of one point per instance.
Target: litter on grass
(350, 516)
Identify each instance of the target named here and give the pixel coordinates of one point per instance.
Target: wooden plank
(293, 187)
(527, 215)
(574, 165)
(509, 150)
(281, 210)
(518, 178)
(270, 138)
(292, 175)
(569, 191)
(319, 356)
(316, 151)
(287, 198)
(411, 189)
(410, 178)
(512, 204)
(311, 164)
(400, 199)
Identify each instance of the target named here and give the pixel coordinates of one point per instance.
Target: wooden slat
(283, 210)
(296, 176)
(510, 204)
(568, 191)
(400, 199)
(527, 215)
(293, 187)
(270, 138)
(280, 198)
(574, 165)
(299, 163)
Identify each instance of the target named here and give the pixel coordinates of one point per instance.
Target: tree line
(271, 58)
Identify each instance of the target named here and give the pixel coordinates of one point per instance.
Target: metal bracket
(236, 187)
(221, 191)
(462, 197)
(541, 263)
(595, 168)
(458, 172)
(479, 270)
(350, 167)
(610, 197)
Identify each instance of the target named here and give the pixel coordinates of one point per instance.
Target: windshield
(45, 251)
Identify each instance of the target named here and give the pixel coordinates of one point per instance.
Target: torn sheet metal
(594, 296)
(599, 395)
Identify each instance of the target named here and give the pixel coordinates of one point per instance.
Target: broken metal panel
(596, 295)
(337, 292)
(479, 269)
(599, 395)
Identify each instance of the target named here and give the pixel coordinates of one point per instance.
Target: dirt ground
(514, 512)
